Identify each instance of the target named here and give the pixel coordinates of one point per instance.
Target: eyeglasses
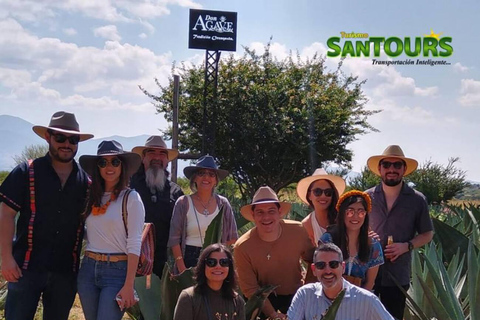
(320, 265)
(204, 173)
(318, 192)
(388, 164)
(102, 163)
(212, 262)
(350, 212)
(61, 138)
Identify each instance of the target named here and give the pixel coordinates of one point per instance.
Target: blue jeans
(58, 292)
(98, 284)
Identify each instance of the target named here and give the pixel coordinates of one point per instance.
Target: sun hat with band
(205, 162)
(111, 148)
(319, 174)
(62, 122)
(156, 142)
(392, 151)
(264, 195)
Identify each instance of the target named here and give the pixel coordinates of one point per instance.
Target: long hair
(97, 189)
(331, 211)
(340, 235)
(193, 184)
(229, 284)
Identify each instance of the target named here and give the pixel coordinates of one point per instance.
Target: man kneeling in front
(313, 300)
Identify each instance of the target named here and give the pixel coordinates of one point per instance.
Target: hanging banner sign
(212, 30)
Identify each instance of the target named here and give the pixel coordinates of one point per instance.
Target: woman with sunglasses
(193, 214)
(106, 277)
(362, 254)
(214, 295)
(320, 191)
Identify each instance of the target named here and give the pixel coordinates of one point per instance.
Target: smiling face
(391, 176)
(355, 216)
(267, 218)
(320, 202)
(155, 158)
(110, 173)
(331, 278)
(205, 179)
(216, 274)
(61, 151)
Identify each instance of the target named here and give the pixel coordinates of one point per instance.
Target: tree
(365, 180)
(31, 152)
(271, 115)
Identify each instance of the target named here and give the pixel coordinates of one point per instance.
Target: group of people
(355, 241)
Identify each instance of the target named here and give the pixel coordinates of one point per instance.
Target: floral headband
(354, 193)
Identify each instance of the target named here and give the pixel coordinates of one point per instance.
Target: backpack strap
(125, 210)
(31, 182)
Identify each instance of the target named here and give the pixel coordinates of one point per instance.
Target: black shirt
(159, 213)
(58, 226)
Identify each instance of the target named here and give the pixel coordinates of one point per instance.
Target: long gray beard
(155, 179)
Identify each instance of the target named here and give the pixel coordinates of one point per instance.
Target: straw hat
(319, 174)
(63, 122)
(392, 151)
(111, 148)
(205, 162)
(264, 195)
(156, 142)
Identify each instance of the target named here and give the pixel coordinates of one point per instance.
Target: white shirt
(197, 221)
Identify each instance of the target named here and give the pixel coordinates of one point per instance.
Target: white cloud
(469, 93)
(69, 31)
(458, 67)
(109, 32)
(142, 36)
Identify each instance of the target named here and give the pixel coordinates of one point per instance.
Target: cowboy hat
(156, 142)
(319, 174)
(205, 162)
(63, 122)
(264, 195)
(392, 151)
(111, 148)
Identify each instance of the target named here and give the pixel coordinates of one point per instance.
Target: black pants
(191, 256)
(393, 299)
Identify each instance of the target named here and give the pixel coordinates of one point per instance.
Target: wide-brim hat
(63, 122)
(392, 151)
(156, 142)
(264, 195)
(111, 148)
(319, 174)
(205, 162)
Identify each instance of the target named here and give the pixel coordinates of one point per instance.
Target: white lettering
(201, 23)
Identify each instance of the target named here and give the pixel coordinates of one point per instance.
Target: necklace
(272, 243)
(98, 210)
(205, 212)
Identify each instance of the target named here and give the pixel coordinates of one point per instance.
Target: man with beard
(313, 300)
(159, 196)
(400, 212)
(50, 194)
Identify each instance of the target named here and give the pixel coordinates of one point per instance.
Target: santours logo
(363, 45)
(215, 24)
(212, 30)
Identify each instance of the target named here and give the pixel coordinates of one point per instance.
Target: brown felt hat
(63, 122)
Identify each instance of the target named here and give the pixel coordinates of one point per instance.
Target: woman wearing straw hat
(106, 277)
(270, 253)
(363, 255)
(320, 191)
(193, 213)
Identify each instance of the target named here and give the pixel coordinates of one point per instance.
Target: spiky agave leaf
(331, 312)
(255, 303)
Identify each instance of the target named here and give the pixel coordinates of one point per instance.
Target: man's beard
(155, 178)
(392, 182)
(55, 154)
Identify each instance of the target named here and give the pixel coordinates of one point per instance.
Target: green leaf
(333, 309)
(450, 238)
(172, 286)
(437, 307)
(255, 303)
(214, 230)
(473, 282)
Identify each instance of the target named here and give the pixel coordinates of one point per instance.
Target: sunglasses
(212, 262)
(102, 163)
(350, 212)
(388, 164)
(320, 265)
(211, 174)
(318, 192)
(61, 138)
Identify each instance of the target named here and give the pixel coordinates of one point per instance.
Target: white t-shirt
(194, 238)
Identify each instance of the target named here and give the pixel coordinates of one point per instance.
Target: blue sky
(88, 57)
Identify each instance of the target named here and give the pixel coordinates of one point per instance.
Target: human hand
(278, 316)
(374, 235)
(10, 270)
(395, 250)
(126, 297)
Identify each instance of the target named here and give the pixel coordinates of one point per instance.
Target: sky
(89, 57)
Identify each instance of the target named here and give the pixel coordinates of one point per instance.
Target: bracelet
(178, 258)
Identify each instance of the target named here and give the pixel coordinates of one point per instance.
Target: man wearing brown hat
(50, 194)
(159, 196)
(400, 212)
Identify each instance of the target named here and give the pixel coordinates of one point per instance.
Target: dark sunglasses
(388, 164)
(61, 138)
(320, 265)
(318, 192)
(202, 174)
(212, 262)
(102, 163)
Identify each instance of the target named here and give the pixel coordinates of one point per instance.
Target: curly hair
(229, 284)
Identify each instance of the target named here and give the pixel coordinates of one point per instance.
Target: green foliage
(270, 115)
(31, 152)
(3, 175)
(255, 303)
(331, 312)
(437, 182)
(366, 180)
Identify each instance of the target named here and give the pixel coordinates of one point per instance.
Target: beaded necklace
(103, 208)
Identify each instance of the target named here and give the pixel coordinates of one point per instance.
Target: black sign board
(212, 30)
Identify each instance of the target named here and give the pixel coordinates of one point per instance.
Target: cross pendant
(268, 256)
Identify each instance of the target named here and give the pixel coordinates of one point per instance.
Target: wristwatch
(410, 246)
